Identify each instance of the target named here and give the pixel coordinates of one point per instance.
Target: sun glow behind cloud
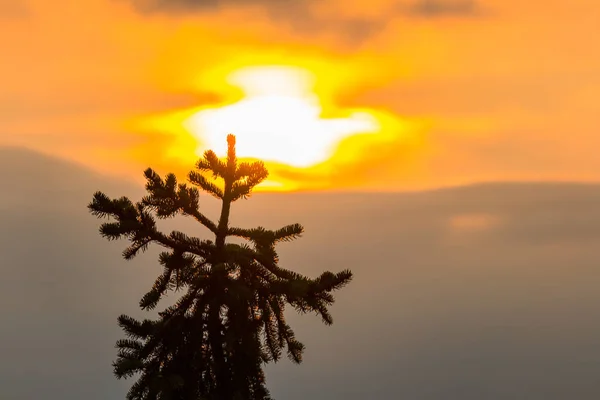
(279, 119)
(286, 115)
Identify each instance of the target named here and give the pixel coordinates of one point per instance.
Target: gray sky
(488, 292)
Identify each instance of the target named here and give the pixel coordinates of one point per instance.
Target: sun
(289, 117)
(279, 119)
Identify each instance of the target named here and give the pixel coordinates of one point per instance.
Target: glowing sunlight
(287, 116)
(279, 119)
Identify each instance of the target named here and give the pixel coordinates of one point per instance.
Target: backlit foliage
(213, 342)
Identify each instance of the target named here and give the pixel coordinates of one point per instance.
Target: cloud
(354, 25)
(443, 8)
(296, 12)
(466, 223)
(203, 5)
(299, 9)
(297, 15)
(506, 312)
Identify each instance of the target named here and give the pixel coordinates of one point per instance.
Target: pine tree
(214, 341)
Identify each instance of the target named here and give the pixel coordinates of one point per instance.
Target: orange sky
(475, 91)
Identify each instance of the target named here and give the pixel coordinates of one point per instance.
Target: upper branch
(167, 198)
(137, 224)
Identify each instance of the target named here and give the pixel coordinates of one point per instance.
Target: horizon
(138, 181)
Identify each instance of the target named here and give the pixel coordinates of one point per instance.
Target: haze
(480, 292)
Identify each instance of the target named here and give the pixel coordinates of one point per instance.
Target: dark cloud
(297, 18)
(203, 5)
(505, 311)
(296, 15)
(443, 8)
(291, 10)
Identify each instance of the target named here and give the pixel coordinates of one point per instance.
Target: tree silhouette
(229, 321)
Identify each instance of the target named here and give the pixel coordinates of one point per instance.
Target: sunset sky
(443, 150)
(404, 94)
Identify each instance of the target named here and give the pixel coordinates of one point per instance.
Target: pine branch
(212, 163)
(229, 320)
(167, 199)
(189, 202)
(200, 180)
